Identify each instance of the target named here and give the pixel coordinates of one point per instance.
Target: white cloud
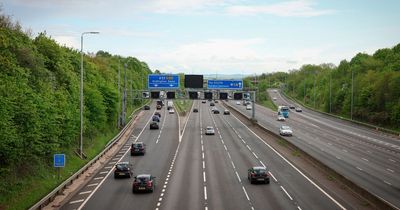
(296, 8)
(68, 41)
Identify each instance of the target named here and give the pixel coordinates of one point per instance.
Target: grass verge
(183, 106)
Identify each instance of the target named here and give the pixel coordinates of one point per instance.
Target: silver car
(281, 118)
(210, 130)
(285, 130)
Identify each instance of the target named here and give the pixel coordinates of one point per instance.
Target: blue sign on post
(163, 81)
(59, 160)
(225, 84)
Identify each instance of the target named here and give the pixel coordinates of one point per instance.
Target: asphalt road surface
(195, 171)
(369, 158)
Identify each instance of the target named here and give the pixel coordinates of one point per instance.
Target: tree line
(40, 98)
(366, 88)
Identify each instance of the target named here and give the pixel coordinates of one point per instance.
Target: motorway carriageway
(195, 171)
(369, 158)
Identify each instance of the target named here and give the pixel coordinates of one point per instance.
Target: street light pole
(352, 94)
(330, 91)
(81, 93)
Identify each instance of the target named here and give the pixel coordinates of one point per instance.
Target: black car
(138, 148)
(123, 169)
(258, 174)
(143, 182)
(291, 106)
(146, 107)
(203, 102)
(212, 104)
(226, 112)
(195, 110)
(216, 111)
(156, 118)
(158, 114)
(158, 107)
(216, 101)
(154, 125)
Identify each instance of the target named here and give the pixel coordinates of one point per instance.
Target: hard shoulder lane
(293, 183)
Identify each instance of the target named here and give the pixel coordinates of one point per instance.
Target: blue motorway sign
(163, 81)
(59, 160)
(225, 84)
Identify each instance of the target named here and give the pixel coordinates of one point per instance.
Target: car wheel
(266, 181)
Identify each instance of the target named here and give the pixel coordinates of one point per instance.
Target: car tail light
(149, 184)
(253, 174)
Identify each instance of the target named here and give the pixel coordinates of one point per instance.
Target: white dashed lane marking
(284, 190)
(92, 185)
(77, 201)
(86, 192)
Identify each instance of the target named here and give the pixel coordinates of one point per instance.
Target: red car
(144, 183)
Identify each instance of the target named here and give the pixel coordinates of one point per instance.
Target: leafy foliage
(39, 99)
(328, 87)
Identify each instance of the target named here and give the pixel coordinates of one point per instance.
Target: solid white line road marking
(248, 147)
(390, 170)
(205, 193)
(91, 185)
(245, 192)
(77, 201)
(262, 163)
(238, 176)
(255, 155)
(86, 192)
(290, 197)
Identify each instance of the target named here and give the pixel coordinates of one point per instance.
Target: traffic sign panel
(163, 81)
(59, 160)
(225, 84)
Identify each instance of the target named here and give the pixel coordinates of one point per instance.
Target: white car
(285, 130)
(237, 102)
(274, 98)
(281, 118)
(248, 107)
(171, 111)
(210, 130)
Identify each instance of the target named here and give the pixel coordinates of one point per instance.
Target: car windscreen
(260, 171)
(142, 179)
(137, 145)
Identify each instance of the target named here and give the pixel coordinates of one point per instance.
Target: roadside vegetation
(183, 106)
(39, 109)
(328, 88)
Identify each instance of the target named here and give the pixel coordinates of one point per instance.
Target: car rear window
(122, 166)
(143, 179)
(137, 145)
(260, 171)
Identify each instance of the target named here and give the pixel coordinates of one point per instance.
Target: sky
(217, 36)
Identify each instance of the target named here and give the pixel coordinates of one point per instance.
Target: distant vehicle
(171, 111)
(275, 91)
(226, 112)
(160, 102)
(154, 126)
(210, 130)
(216, 101)
(291, 106)
(143, 182)
(237, 102)
(216, 111)
(248, 107)
(283, 110)
(203, 101)
(157, 114)
(195, 110)
(156, 118)
(123, 169)
(298, 109)
(285, 130)
(281, 118)
(258, 174)
(159, 107)
(138, 148)
(170, 104)
(146, 107)
(146, 95)
(246, 96)
(274, 98)
(212, 104)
